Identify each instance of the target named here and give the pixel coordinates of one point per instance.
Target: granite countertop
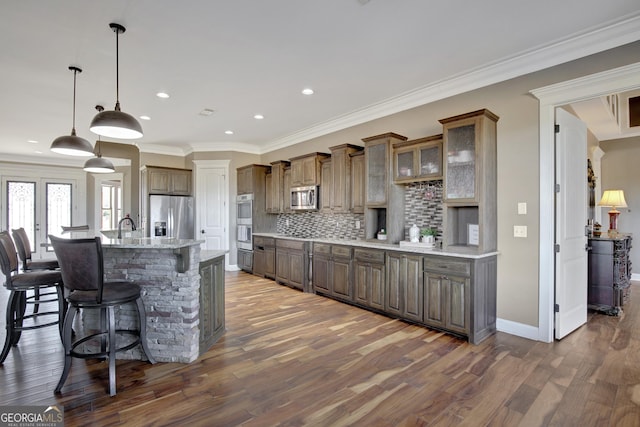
(206, 255)
(132, 242)
(460, 252)
(606, 236)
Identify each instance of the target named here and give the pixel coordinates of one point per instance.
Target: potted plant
(428, 235)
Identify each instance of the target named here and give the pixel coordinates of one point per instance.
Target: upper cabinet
(305, 170)
(251, 176)
(340, 179)
(470, 180)
(277, 199)
(377, 167)
(357, 182)
(170, 181)
(418, 160)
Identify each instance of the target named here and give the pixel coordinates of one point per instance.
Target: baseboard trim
(635, 276)
(518, 329)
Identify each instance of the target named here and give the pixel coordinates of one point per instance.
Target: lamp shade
(613, 198)
(99, 165)
(72, 145)
(116, 124)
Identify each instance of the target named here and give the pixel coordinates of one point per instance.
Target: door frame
(550, 97)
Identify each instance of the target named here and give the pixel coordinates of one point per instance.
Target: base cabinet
(245, 260)
(264, 257)
(405, 287)
(609, 273)
(211, 302)
(332, 270)
(446, 303)
(369, 278)
(291, 263)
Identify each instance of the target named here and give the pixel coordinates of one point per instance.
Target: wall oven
(244, 208)
(244, 237)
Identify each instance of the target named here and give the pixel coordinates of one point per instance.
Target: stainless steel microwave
(304, 198)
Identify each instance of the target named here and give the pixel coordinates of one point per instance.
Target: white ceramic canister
(414, 234)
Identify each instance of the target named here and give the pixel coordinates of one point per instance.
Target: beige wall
(620, 171)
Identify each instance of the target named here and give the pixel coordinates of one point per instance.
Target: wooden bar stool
(82, 266)
(49, 284)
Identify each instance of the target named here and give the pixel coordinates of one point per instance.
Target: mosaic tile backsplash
(423, 207)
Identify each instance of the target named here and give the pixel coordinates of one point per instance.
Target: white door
(571, 219)
(212, 204)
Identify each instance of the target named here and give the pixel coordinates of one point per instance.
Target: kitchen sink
(113, 234)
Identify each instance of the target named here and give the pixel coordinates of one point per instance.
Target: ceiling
(363, 58)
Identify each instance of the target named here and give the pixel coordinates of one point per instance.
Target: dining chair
(49, 284)
(82, 266)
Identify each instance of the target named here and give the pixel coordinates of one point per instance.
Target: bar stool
(49, 282)
(23, 246)
(82, 266)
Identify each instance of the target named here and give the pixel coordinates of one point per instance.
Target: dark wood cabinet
(369, 278)
(245, 260)
(405, 287)
(264, 256)
(609, 273)
(212, 315)
(357, 182)
(292, 263)
(332, 270)
(169, 181)
(305, 170)
(417, 160)
(277, 197)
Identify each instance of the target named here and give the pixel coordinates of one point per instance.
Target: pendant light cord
(117, 30)
(75, 70)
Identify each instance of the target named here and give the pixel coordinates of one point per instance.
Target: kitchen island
(179, 303)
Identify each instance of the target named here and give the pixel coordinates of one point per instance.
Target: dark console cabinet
(609, 272)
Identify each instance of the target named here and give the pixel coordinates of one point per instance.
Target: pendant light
(116, 124)
(71, 144)
(99, 164)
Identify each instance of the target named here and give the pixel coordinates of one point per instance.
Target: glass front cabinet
(470, 180)
(418, 160)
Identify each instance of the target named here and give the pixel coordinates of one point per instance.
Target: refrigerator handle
(171, 230)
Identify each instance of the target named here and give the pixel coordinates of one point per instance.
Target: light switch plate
(519, 231)
(357, 224)
(522, 208)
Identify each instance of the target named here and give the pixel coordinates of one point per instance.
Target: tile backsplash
(423, 207)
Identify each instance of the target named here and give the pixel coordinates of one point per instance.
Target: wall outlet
(519, 231)
(287, 222)
(357, 224)
(522, 208)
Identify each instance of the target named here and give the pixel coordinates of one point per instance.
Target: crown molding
(596, 39)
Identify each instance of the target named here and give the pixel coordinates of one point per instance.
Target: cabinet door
(269, 196)
(282, 266)
(245, 180)
(361, 283)
(310, 171)
(393, 295)
(325, 186)
(245, 260)
(158, 181)
(434, 300)
(207, 302)
(258, 262)
(376, 173)
(321, 274)
(430, 160)
(357, 184)
(270, 262)
(404, 164)
(340, 188)
(377, 286)
(180, 182)
(218, 317)
(457, 304)
(460, 170)
(296, 269)
(342, 278)
(286, 190)
(413, 287)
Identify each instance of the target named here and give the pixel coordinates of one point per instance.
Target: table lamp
(613, 199)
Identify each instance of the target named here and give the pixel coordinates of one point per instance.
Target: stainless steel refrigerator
(171, 216)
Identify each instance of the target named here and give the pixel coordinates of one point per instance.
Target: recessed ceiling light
(33, 141)
(145, 118)
(228, 132)
(258, 117)
(307, 91)
(162, 95)
(206, 112)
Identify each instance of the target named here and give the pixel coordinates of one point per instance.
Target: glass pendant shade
(116, 123)
(99, 165)
(72, 145)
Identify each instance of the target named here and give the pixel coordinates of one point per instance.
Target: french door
(41, 206)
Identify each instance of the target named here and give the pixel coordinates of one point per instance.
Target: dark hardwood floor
(294, 359)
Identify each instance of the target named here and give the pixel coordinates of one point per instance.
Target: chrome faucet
(126, 218)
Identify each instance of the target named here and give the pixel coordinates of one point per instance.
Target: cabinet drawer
(291, 244)
(263, 241)
(321, 248)
(369, 256)
(447, 266)
(341, 251)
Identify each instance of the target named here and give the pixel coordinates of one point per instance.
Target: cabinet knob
(202, 231)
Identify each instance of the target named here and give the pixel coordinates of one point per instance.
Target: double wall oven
(244, 232)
